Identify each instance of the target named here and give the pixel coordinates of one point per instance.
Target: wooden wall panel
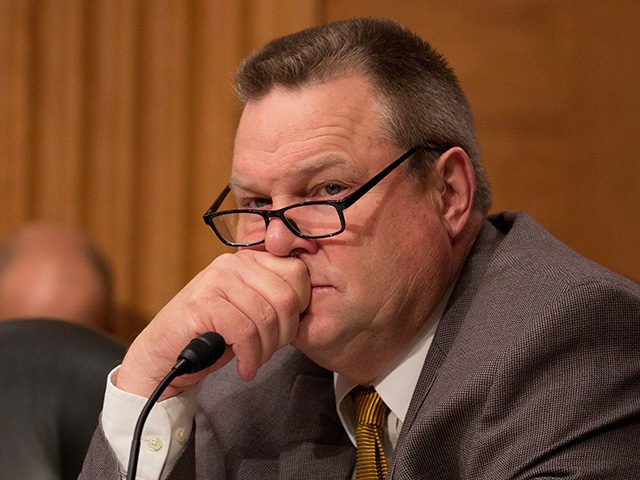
(14, 112)
(218, 43)
(162, 135)
(267, 19)
(118, 117)
(109, 208)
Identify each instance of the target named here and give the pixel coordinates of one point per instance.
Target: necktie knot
(370, 409)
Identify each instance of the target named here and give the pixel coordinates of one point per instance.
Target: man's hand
(253, 299)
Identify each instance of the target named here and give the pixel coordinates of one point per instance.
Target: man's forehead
(332, 125)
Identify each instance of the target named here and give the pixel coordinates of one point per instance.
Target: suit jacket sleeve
(101, 462)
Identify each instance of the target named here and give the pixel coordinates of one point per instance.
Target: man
(55, 304)
(498, 352)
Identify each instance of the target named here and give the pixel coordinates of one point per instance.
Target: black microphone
(200, 353)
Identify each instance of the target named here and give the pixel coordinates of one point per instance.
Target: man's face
(376, 283)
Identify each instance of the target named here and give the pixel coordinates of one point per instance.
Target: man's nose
(279, 240)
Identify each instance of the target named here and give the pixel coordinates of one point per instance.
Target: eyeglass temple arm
(351, 199)
(218, 201)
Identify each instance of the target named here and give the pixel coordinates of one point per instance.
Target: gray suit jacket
(534, 372)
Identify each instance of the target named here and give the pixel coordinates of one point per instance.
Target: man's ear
(457, 180)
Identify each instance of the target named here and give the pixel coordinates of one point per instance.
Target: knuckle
(288, 301)
(267, 316)
(224, 260)
(299, 268)
(248, 331)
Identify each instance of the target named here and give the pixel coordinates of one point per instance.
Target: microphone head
(202, 352)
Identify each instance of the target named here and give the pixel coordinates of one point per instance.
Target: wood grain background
(118, 116)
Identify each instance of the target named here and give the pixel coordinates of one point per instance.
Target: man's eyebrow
(304, 168)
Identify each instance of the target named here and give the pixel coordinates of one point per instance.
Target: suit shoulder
(528, 251)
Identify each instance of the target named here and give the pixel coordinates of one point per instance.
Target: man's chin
(311, 335)
(317, 334)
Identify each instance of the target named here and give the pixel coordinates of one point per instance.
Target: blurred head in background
(54, 271)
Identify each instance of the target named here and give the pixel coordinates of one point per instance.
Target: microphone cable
(200, 353)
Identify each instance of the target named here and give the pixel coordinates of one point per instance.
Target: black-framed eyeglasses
(313, 219)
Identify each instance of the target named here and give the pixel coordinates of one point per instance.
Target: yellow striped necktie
(371, 415)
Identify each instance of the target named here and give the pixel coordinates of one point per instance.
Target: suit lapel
(427, 377)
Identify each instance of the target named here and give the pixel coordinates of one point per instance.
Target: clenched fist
(252, 298)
